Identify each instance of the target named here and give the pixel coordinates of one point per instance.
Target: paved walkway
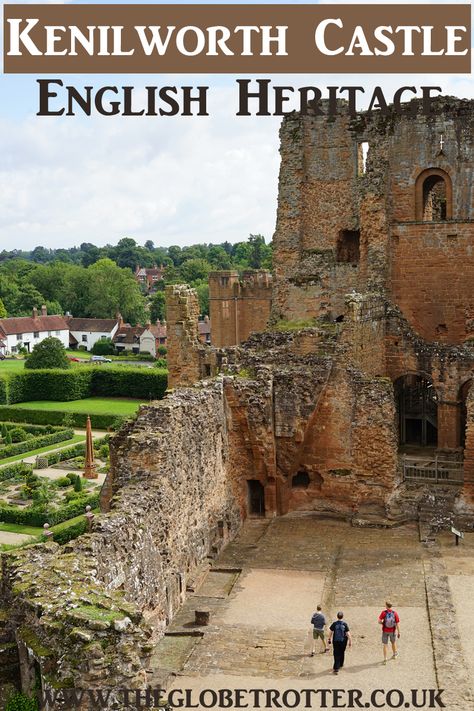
(13, 538)
(265, 586)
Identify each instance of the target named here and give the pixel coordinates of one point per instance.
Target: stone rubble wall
(78, 611)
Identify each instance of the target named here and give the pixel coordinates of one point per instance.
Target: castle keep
(354, 401)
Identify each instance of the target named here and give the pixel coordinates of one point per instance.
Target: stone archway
(417, 411)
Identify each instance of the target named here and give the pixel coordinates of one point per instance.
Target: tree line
(90, 281)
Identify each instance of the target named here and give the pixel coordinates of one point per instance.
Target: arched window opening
(434, 199)
(417, 409)
(433, 196)
(300, 480)
(347, 247)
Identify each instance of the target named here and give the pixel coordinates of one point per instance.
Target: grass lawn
(11, 366)
(89, 406)
(41, 450)
(18, 528)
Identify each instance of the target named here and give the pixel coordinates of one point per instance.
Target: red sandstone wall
(432, 278)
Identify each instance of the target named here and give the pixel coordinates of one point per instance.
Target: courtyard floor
(266, 584)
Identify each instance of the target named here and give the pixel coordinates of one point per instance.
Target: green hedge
(54, 384)
(65, 532)
(31, 429)
(147, 383)
(3, 391)
(38, 517)
(55, 417)
(10, 450)
(79, 383)
(12, 470)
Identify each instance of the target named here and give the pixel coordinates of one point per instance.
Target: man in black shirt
(339, 635)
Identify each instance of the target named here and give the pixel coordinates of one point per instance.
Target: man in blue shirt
(339, 635)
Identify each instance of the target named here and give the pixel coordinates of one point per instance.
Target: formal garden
(44, 407)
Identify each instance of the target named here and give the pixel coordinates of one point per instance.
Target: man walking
(340, 636)
(390, 622)
(318, 621)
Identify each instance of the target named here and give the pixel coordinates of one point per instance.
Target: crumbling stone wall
(238, 305)
(78, 611)
(422, 262)
(183, 344)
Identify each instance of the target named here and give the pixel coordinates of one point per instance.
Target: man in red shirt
(390, 622)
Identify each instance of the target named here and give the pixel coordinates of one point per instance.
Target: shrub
(103, 347)
(63, 482)
(21, 702)
(147, 383)
(49, 353)
(162, 350)
(103, 452)
(78, 484)
(18, 434)
(161, 363)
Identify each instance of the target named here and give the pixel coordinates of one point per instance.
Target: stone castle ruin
(355, 401)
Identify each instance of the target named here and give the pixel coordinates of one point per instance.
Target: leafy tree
(158, 307)
(3, 311)
(110, 290)
(49, 353)
(195, 269)
(40, 254)
(257, 251)
(203, 295)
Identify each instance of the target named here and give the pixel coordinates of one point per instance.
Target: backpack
(339, 631)
(389, 620)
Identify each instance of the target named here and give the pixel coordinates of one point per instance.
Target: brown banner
(237, 39)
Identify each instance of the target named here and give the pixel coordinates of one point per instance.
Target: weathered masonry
(356, 401)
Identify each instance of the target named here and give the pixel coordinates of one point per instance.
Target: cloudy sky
(179, 180)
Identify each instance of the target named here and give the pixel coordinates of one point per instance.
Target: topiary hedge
(55, 417)
(79, 383)
(28, 445)
(36, 516)
(54, 384)
(147, 383)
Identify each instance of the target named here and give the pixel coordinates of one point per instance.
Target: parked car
(100, 359)
(2, 356)
(75, 360)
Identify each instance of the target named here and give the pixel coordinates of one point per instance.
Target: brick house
(147, 277)
(27, 331)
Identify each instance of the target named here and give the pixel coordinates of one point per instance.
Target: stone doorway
(417, 409)
(255, 497)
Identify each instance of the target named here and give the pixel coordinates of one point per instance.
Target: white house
(27, 331)
(85, 332)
